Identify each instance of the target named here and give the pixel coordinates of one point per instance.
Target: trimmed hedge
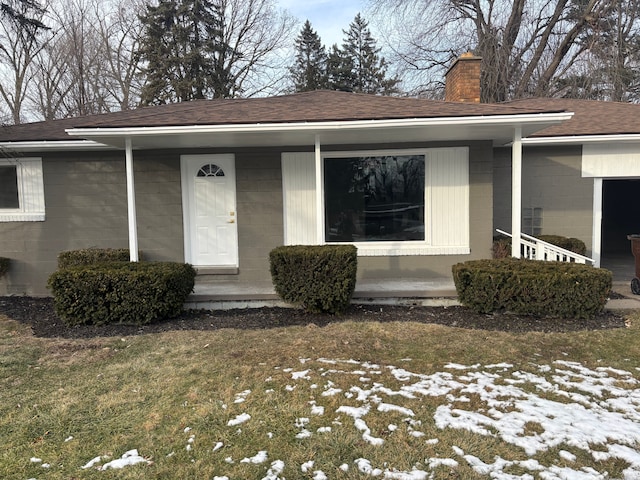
(4, 266)
(320, 278)
(88, 256)
(502, 245)
(121, 292)
(530, 287)
(572, 244)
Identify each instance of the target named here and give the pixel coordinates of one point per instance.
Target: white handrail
(535, 249)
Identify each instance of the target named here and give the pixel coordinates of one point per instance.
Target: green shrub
(4, 266)
(574, 245)
(530, 287)
(502, 245)
(121, 292)
(88, 256)
(320, 278)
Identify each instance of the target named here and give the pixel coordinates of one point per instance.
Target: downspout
(319, 194)
(516, 192)
(131, 203)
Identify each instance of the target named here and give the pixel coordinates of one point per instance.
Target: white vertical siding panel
(298, 187)
(449, 184)
(31, 182)
(611, 160)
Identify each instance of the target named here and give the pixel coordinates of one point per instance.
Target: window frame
(31, 205)
(403, 247)
(371, 245)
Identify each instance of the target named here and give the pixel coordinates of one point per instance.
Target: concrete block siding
(553, 183)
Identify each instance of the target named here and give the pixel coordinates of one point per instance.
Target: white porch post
(596, 243)
(319, 195)
(516, 192)
(131, 203)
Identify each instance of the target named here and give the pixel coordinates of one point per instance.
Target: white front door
(209, 210)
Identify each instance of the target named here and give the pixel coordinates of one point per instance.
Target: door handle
(231, 221)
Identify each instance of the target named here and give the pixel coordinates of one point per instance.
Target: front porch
(408, 291)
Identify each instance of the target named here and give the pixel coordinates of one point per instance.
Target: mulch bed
(39, 314)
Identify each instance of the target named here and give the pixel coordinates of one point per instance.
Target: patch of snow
(306, 466)
(258, 458)
(304, 374)
(436, 462)
(388, 407)
(242, 396)
(568, 456)
(365, 467)
(91, 463)
(128, 458)
(304, 433)
(217, 446)
(243, 417)
(301, 422)
(276, 469)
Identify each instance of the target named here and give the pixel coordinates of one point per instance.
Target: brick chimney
(462, 80)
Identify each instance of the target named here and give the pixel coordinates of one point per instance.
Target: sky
(328, 17)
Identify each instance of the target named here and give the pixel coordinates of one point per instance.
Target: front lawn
(350, 400)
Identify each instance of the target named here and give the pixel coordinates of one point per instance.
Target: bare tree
(19, 46)
(525, 44)
(223, 48)
(262, 35)
(120, 34)
(91, 64)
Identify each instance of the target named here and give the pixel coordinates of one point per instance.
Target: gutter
(581, 139)
(312, 127)
(51, 145)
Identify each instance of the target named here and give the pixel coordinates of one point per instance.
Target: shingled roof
(591, 117)
(307, 107)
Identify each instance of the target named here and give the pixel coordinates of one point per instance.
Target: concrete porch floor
(408, 291)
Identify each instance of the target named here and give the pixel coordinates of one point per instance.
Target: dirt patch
(39, 314)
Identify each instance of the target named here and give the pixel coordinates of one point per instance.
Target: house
(220, 183)
(582, 179)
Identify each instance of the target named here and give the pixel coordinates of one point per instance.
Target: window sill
(386, 249)
(22, 217)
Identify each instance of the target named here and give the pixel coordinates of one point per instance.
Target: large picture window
(386, 202)
(374, 198)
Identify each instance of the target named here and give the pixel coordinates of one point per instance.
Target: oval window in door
(210, 170)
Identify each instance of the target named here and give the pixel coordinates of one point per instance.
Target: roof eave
(581, 139)
(53, 145)
(546, 119)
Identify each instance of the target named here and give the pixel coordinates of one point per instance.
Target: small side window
(21, 190)
(9, 198)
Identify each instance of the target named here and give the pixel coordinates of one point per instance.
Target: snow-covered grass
(348, 401)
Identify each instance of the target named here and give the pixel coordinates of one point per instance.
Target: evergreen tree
(184, 49)
(358, 64)
(340, 71)
(310, 69)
